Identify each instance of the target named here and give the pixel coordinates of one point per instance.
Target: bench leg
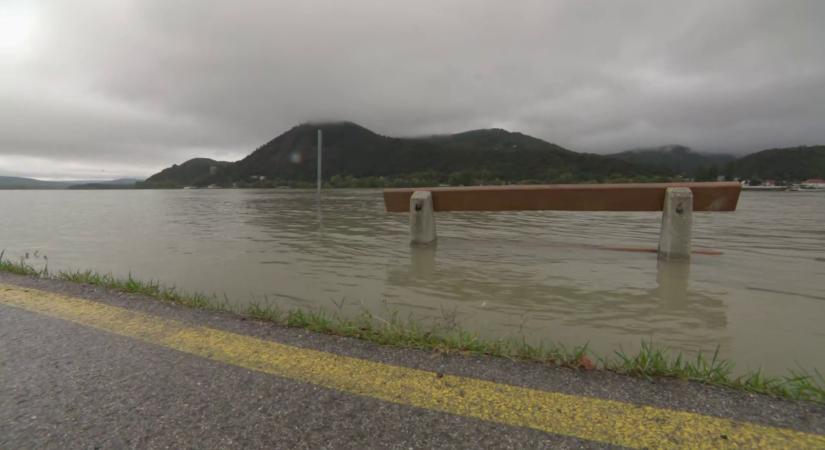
(422, 218)
(677, 225)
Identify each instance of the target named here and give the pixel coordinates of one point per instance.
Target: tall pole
(320, 139)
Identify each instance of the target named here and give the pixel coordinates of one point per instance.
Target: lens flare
(18, 24)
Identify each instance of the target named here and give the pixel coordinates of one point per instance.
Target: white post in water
(320, 139)
(677, 224)
(422, 218)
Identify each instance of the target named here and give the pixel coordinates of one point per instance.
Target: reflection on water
(422, 262)
(547, 276)
(672, 279)
(689, 318)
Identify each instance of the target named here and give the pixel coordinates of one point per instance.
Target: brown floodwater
(560, 277)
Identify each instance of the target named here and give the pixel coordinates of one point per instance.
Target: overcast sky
(102, 89)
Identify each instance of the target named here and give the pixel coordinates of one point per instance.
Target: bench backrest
(711, 196)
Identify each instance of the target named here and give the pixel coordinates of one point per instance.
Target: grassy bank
(650, 361)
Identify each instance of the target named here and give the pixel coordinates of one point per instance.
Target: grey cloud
(145, 84)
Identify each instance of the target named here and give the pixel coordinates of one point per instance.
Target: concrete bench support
(422, 218)
(677, 224)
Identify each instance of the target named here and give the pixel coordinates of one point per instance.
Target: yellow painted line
(588, 418)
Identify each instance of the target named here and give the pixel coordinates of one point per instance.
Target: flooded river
(548, 276)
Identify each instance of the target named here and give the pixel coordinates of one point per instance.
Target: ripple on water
(548, 276)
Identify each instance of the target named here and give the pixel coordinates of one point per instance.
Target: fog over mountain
(99, 90)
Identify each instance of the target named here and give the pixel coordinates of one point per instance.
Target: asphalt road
(122, 371)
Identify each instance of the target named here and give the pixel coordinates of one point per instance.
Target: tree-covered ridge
(195, 172)
(795, 164)
(357, 157)
(354, 155)
(676, 158)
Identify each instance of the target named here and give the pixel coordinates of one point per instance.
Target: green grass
(20, 268)
(650, 361)
(134, 286)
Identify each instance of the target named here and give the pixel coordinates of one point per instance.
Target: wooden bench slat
(707, 196)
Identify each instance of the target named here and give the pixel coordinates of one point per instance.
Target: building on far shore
(817, 183)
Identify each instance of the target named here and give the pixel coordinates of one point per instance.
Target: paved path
(86, 367)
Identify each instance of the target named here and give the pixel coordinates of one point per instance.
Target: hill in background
(195, 172)
(356, 156)
(679, 159)
(120, 183)
(797, 163)
(32, 183)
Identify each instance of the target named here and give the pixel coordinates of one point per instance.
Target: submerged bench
(677, 201)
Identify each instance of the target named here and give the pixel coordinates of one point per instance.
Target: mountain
(348, 148)
(794, 163)
(32, 183)
(120, 183)
(676, 158)
(357, 157)
(352, 152)
(197, 171)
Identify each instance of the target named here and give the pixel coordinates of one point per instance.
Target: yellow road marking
(588, 418)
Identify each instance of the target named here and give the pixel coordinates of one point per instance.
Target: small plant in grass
(653, 361)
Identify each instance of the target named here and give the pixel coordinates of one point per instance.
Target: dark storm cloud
(130, 87)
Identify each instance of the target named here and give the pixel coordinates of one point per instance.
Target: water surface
(547, 276)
